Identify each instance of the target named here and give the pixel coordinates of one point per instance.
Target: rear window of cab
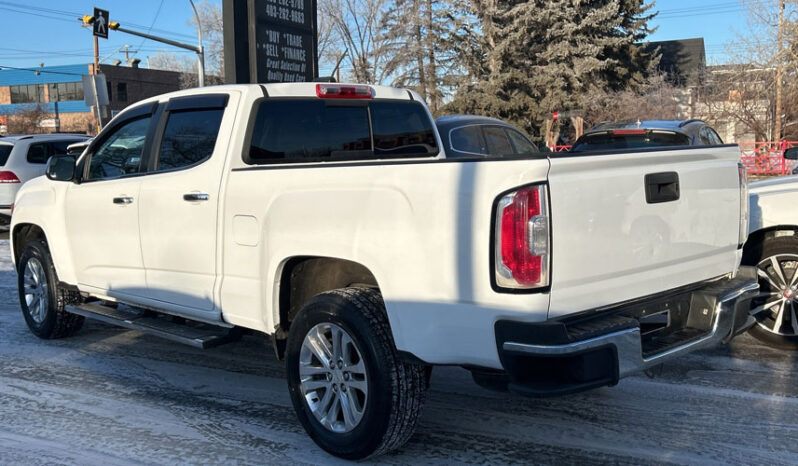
(318, 130)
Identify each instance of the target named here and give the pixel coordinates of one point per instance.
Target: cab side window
(189, 138)
(120, 153)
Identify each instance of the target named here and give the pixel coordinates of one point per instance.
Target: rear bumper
(599, 348)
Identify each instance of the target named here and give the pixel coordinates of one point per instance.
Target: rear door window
(189, 138)
(38, 153)
(314, 130)
(468, 139)
(713, 136)
(5, 151)
(521, 144)
(497, 141)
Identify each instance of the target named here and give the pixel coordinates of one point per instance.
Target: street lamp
(201, 50)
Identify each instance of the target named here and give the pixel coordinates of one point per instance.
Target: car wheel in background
(776, 308)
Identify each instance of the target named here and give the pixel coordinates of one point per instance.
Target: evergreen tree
(536, 57)
(635, 65)
(421, 35)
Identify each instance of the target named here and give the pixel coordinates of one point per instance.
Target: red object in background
(766, 158)
(555, 116)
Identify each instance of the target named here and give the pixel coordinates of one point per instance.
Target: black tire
(396, 389)
(760, 256)
(52, 321)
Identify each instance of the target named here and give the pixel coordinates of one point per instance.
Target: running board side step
(177, 329)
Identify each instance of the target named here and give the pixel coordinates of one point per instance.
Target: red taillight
(522, 234)
(629, 131)
(8, 177)
(343, 91)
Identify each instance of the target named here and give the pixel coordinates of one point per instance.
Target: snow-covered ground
(109, 396)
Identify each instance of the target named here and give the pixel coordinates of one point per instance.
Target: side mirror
(61, 168)
(791, 153)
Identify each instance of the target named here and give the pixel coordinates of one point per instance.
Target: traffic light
(87, 19)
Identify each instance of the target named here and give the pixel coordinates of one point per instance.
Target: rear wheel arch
(303, 277)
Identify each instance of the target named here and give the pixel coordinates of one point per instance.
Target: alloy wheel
(333, 377)
(776, 309)
(35, 290)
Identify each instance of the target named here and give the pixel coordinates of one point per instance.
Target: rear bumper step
(558, 357)
(177, 329)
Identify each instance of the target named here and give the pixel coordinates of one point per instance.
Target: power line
(39, 70)
(157, 12)
(36, 14)
(63, 15)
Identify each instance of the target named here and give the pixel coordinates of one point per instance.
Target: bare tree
(356, 27)
(655, 99)
(27, 120)
(743, 93)
(210, 17)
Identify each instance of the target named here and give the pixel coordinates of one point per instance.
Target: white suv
(24, 157)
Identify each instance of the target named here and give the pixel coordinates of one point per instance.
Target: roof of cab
(275, 90)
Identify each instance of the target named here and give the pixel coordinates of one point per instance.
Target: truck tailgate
(611, 244)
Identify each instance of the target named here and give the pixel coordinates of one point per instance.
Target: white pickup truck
(327, 217)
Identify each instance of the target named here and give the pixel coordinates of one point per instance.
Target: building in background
(50, 99)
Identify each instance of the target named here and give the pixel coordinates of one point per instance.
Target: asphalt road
(109, 396)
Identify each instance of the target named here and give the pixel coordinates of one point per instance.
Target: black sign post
(270, 41)
(100, 23)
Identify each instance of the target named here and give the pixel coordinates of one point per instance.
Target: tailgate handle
(662, 187)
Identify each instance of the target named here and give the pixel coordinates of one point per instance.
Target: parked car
(328, 218)
(640, 134)
(478, 136)
(772, 247)
(23, 157)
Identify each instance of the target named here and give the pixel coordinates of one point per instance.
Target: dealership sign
(270, 41)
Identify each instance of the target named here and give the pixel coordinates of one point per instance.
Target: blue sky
(47, 31)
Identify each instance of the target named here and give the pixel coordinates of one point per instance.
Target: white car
(328, 218)
(24, 157)
(772, 247)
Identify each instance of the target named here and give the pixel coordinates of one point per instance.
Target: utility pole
(115, 26)
(779, 74)
(96, 55)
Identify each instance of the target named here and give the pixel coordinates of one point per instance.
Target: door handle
(662, 187)
(123, 200)
(192, 197)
